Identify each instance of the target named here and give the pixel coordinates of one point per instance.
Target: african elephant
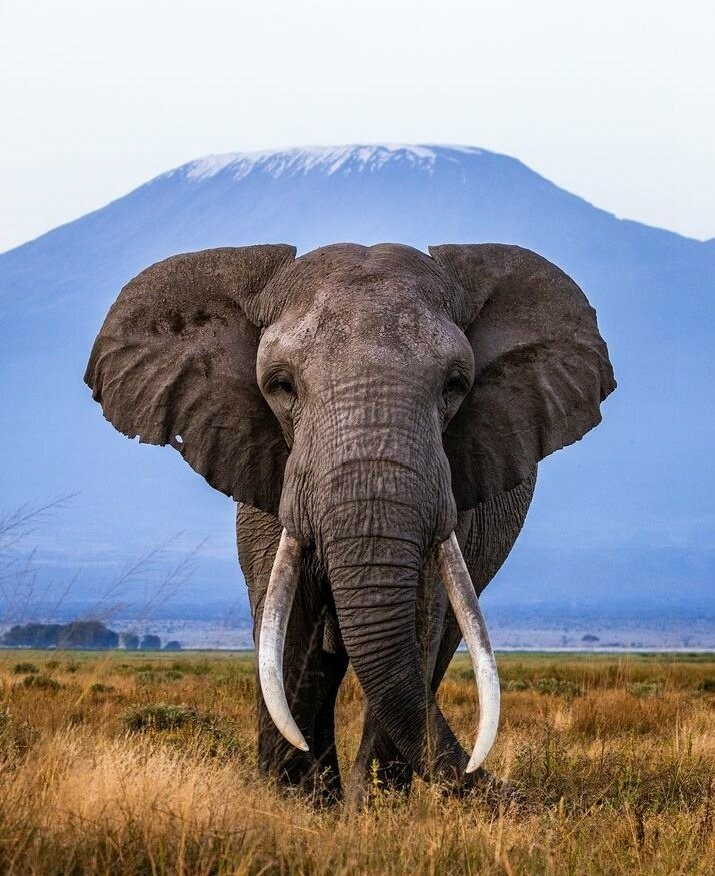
(378, 415)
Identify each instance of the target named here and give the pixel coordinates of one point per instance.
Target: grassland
(133, 763)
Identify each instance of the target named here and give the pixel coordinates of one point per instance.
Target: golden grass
(146, 764)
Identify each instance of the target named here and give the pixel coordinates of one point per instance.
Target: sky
(613, 100)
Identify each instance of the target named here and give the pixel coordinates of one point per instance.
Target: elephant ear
(175, 363)
(541, 366)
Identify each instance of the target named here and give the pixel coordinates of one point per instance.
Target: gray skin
(369, 400)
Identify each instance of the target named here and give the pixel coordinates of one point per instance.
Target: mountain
(625, 516)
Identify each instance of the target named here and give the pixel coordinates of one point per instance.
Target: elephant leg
(324, 748)
(379, 766)
(334, 661)
(312, 684)
(311, 676)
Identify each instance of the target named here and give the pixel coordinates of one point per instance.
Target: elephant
(378, 414)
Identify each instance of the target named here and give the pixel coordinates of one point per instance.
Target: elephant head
(364, 396)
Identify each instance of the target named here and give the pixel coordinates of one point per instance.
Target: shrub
(160, 716)
(25, 669)
(44, 682)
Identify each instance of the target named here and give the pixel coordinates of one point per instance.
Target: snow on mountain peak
(329, 159)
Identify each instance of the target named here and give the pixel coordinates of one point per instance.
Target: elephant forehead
(365, 323)
(371, 279)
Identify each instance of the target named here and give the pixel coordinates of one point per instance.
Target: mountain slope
(627, 513)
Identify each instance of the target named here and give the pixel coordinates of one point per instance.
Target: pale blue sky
(612, 100)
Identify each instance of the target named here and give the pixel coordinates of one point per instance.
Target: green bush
(44, 682)
(160, 716)
(25, 669)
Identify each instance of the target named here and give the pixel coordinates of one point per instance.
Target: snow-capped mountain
(627, 513)
(327, 159)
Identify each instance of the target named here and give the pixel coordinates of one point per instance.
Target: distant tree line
(91, 635)
(148, 642)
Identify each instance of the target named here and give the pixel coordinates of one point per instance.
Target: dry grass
(130, 763)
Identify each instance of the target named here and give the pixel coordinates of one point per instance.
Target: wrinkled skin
(395, 398)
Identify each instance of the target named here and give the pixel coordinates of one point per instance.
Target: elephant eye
(281, 382)
(454, 384)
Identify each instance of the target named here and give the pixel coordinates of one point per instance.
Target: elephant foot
(379, 769)
(304, 775)
(380, 781)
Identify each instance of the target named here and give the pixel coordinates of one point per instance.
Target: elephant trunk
(374, 580)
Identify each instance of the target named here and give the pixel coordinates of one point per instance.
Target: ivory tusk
(460, 590)
(276, 611)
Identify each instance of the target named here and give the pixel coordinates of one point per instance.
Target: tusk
(458, 584)
(276, 611)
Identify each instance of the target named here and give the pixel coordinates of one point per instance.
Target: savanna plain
(129, 762)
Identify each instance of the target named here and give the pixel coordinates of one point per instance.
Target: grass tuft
(25, 669)
(160, 716)
(43, 682)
